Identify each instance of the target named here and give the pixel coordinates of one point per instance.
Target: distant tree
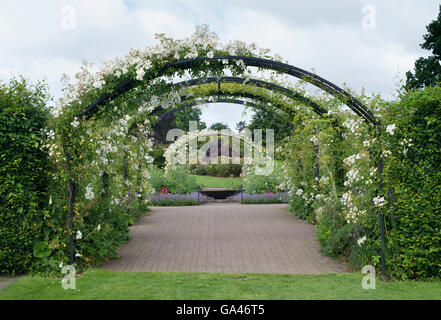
(179, 119)
(427, 71)
(241, 125)
(219, 126)
(264, 119)
(184, 116)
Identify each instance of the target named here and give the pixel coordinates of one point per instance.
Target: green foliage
(335, 235)
(262, 183)
(414, 178)
(178, 180)
(24, 174)
(184, 116)
(219, 126)
(346, 216)
(427, 71)
(157, 153)
(329, 163)
(240, 126)
(267, 119)
(216, 170)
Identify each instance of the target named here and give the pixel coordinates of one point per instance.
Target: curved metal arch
(174, 109)
(234, 95)
(258, 83)
(221, 100)
(299, 73)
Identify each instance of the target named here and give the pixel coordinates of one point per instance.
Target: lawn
(218, 182)
(104, 284)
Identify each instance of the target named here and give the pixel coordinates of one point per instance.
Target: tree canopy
(427, 71)
(219, 126)
(264, 119)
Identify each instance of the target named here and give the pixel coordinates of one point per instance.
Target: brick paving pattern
(226, 238)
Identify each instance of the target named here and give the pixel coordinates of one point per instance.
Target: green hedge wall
(414, 178)
(23, 173)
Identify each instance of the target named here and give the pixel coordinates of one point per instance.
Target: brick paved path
(228, 238)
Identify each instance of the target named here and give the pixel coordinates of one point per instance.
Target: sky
(363, 43)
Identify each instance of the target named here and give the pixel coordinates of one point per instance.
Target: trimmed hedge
(415, 180)
(216, 170)
(24, 172)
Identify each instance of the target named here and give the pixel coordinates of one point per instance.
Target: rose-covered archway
(102, 128)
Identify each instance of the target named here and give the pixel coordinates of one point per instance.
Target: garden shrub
(24, 173)
(216, 170)
(256, 183)
(157, 153)
(176, 180)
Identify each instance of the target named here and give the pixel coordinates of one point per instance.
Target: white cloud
(163, 22)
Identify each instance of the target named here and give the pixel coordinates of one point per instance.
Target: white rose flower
(361, 240)
(390, 129)
(89, 193)
(75, 123)
(379, 201)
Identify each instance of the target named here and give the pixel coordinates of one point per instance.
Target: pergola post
(125, 174)
(380, 189)
(72, 196)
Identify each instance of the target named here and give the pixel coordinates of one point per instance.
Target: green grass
(218, 182)
(104, 284)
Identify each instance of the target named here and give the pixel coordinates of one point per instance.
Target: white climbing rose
(390, 129)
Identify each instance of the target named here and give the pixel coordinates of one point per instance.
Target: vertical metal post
(72, 193)
(125, 165)
(104, 183)
(380, 189)
(341, 170)
(316, 164)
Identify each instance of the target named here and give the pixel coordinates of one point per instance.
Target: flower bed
(261, 198)
(169, 199)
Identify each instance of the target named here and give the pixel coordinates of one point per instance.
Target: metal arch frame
(233, 95)
(258, 83)
(190, 104)
(296, 72)
(299, 73)
(206, 101)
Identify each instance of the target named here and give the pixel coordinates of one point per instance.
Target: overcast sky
(335, 37)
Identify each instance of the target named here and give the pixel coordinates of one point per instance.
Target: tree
(241, 125)
(219, 126)
(427, 71)
(263, 119)
(184, 116)
(179, 119)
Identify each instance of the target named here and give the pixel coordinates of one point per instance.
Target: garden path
(224, 237)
